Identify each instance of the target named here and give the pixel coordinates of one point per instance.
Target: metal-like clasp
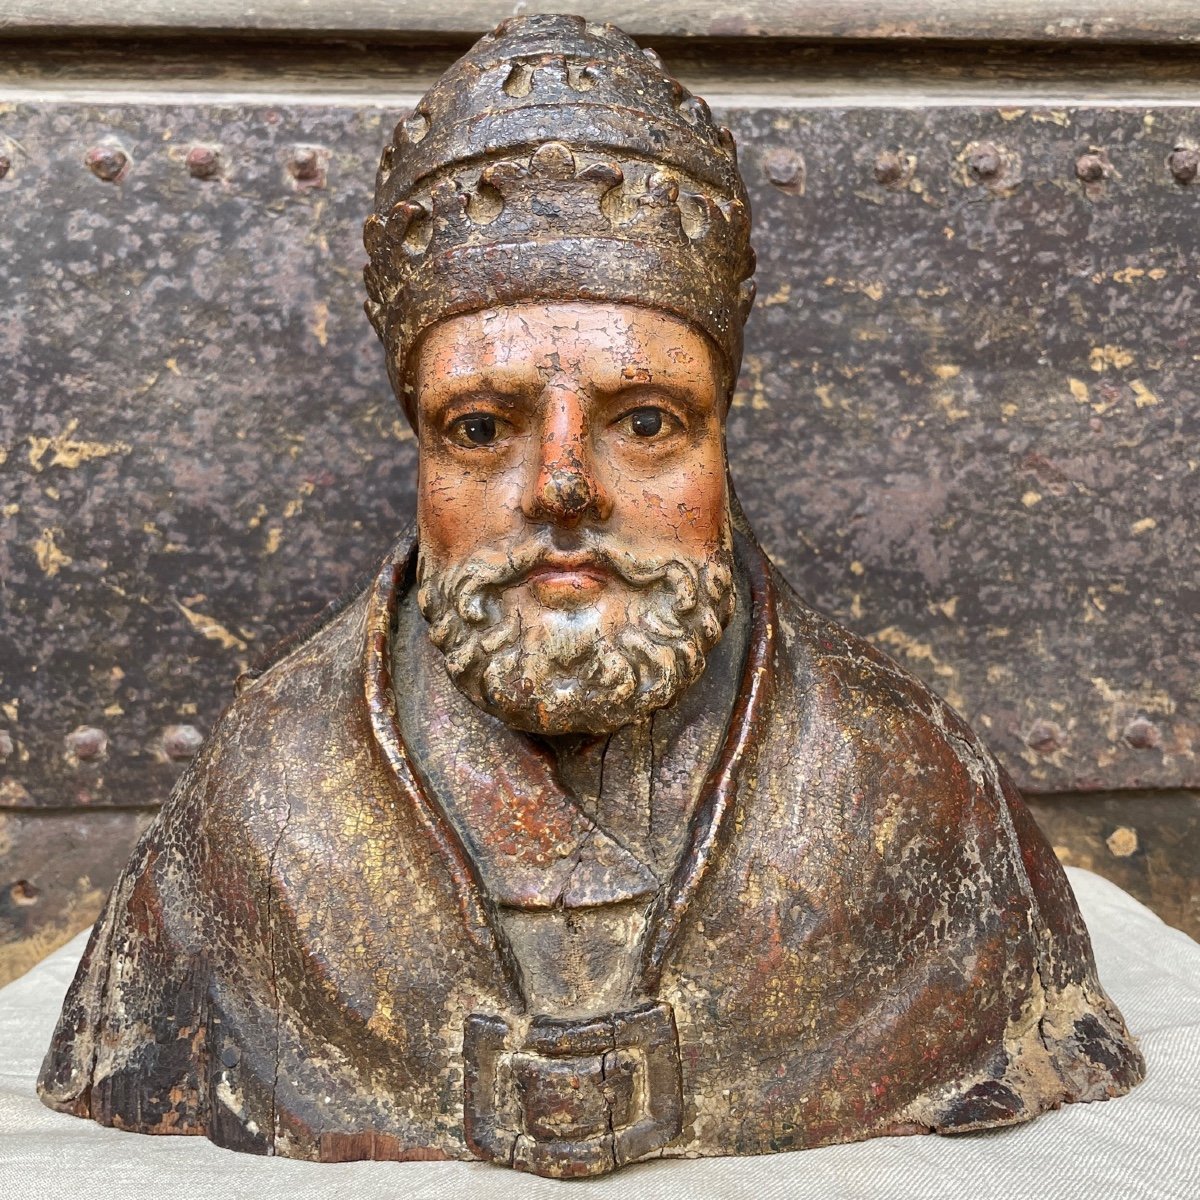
(574, 1097)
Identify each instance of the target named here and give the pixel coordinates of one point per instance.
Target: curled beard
(587, 670)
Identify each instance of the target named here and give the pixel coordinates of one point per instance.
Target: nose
(564, 488)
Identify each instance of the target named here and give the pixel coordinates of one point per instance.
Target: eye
(648, 422)
(475, 429)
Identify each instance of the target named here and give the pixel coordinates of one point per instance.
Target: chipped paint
(211, 628)
(914, 650)
(1056, 116)
(1142, 395)
(1122, 842)
(320, 321)
(1102, 357)
(873, 289)
(49, 557)
(70, 452)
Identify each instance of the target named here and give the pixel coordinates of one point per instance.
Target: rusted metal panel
(1146, 842)
(966, 426)
(1007, 20)
(55, 870)
(188, 474)
(972, 431)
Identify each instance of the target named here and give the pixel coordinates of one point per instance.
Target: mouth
(562, 580)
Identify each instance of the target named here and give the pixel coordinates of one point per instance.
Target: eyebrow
(682, 393)
(519, 383)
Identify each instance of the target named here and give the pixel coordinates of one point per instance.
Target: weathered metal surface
(972, 432)
(967, 423)
(1146, 842)
(1008, 20)
(55, 871)
(186, 478)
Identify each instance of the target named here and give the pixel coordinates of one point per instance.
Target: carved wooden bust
(576, 836)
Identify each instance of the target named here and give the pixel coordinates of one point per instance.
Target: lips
(584, 567)
(562, 578)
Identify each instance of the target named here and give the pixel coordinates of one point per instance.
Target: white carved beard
(591, 669)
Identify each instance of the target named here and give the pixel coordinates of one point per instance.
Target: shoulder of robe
(280, 740)
(878, 727)
(872, 777)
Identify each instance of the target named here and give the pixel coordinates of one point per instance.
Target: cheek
(686, 501)
(450, 508)
(460, 508)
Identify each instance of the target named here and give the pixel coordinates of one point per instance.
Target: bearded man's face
(575, 549)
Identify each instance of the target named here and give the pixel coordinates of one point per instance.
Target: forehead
(607, 345)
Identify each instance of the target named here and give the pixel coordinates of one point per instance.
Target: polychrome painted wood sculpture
(576, 837)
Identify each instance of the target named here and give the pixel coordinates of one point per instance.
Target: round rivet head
(1089, 168)
(203, 162)
(985, 161)
(784, 168)
(1045, 737)
(305, 164)
(107, 162)
(1142, 734)
(180, 742)
(1184, 163)
(889, 168)
(87, 743)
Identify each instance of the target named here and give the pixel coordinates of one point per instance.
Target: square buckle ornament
(572, 1097)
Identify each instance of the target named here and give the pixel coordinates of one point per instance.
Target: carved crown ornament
(515, 201)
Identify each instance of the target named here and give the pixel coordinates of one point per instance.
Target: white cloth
(1144, 1146)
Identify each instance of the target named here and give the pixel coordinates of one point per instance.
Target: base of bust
(526, 1155)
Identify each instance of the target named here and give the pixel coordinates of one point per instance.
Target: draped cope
(327, 945)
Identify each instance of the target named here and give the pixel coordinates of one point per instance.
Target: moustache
(495, 569)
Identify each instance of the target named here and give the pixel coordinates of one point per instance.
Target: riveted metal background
(967, 423)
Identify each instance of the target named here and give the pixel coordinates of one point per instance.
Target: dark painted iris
(479, 429)
(646, 422)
